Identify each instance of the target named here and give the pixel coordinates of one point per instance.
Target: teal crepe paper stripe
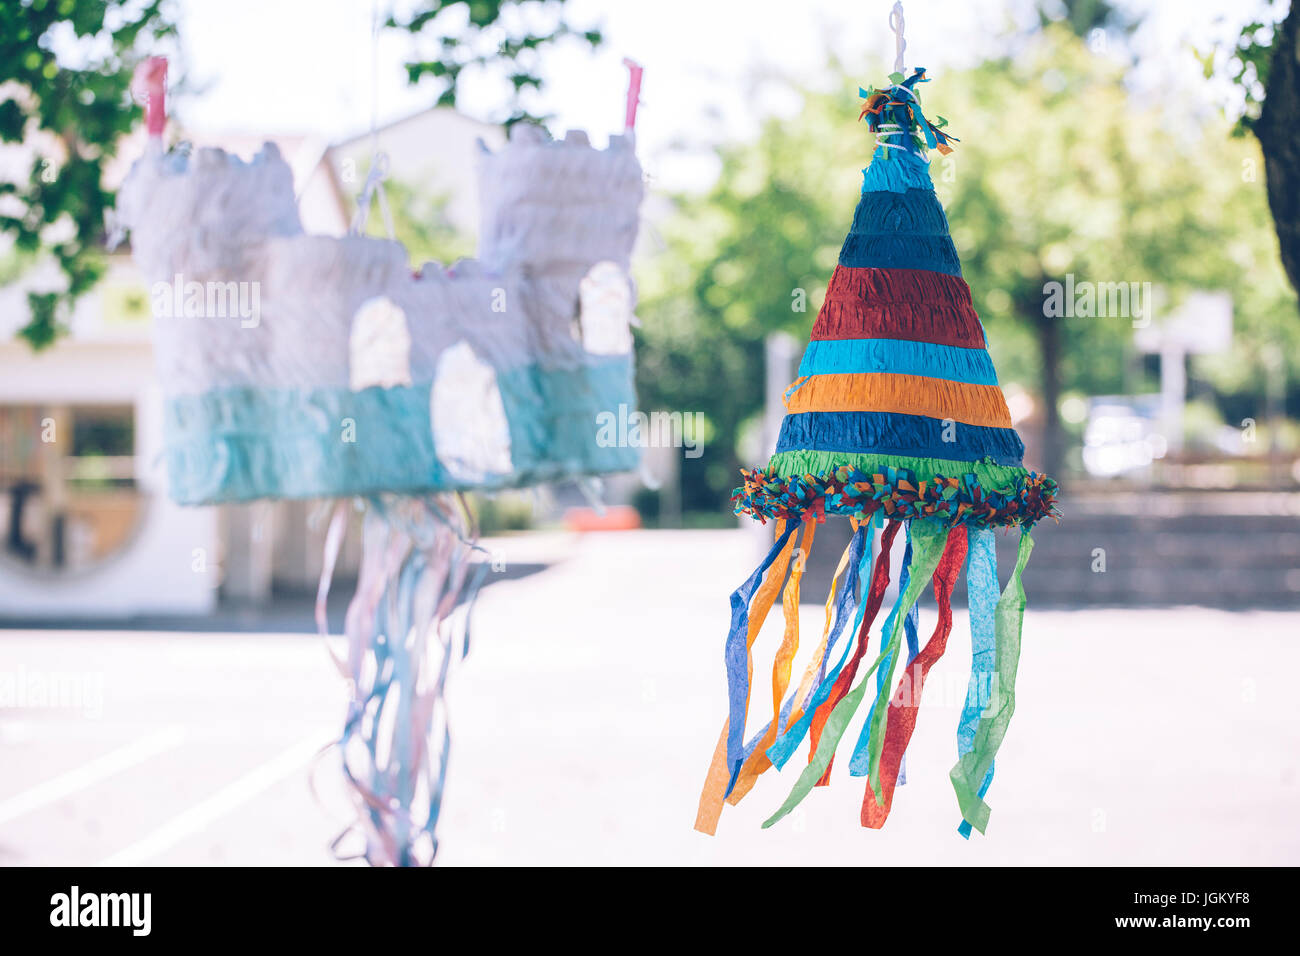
(887, 174)
(928, 549)
(898, 357)
(982, 599)
(992, 728)
(240, 443)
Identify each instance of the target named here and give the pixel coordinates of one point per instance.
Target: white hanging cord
(896, 24)
(374, 76)
(374, 184)
(887, 131)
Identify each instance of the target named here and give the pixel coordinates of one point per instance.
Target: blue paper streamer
(736, 655)
(785, 745)
(845, 602)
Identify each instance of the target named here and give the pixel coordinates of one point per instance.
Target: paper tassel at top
(894, 113)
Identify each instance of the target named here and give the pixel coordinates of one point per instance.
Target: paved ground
(586, 716)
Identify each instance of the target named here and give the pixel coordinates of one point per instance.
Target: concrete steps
(1217, 549)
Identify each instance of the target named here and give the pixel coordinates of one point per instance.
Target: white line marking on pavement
(198, 817)
(87, 774)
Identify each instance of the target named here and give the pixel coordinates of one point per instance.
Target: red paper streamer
(903, 708)
(879, 582)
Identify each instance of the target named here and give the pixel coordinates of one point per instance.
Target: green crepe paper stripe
(927, 547)
(970, 770)
(1001, 478)
(928, 539)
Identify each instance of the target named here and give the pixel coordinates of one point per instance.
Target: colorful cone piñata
(895, 421)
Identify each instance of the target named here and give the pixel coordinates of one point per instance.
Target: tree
(1085, 181)
(749, 257)
(421, 224)
(1263, 64)
(482, 33)
(73, 116)
(1278, 130)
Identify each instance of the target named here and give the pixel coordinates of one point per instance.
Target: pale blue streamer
(982, 601)
(396, 674)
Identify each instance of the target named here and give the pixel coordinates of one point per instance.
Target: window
(67, 477)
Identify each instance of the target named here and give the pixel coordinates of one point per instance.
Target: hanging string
(896, 24)
(373, 187)
(887, 131)
(374, 184)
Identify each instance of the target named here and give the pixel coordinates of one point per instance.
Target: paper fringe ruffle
(895, 493)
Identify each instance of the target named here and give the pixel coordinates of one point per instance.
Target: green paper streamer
(970, 770)
(928, 539)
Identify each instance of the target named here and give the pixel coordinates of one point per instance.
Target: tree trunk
(1278, 130)
(1049, 353)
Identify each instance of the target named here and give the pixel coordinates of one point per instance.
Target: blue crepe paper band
(914, 212)
(933, 253)
(894, 433)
